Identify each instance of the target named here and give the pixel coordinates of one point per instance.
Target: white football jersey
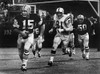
(66, 20)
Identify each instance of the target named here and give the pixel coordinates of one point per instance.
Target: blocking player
(63, 26)
(24, 25)
(82, 27)
(38, 38)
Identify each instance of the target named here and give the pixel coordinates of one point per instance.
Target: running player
(63, 26)
(82, 27)
(38, 37)
(24, 25)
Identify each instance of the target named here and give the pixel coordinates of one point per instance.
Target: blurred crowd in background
(8, 38)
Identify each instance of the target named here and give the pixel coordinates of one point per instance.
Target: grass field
(63, 64)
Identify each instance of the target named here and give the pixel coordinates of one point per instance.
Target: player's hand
(50, 31)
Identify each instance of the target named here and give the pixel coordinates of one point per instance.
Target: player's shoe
(34, 52)
(39, 55)
(83, 56)
(50, 63)
(67, 51)
(87, 56)
(70, 53)
(73, 52)
(23, 67)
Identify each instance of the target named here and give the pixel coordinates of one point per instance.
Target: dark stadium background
(80, 7)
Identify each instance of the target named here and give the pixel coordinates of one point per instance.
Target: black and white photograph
(49, 36)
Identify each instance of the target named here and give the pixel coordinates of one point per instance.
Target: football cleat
(50, 63)
(39, 55)
(83, 55)
(73, 52)
(70, 53)
(23, 67)
(67, 51)
(87, 56)
(34, 52)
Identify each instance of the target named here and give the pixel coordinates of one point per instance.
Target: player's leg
(56, 42)
(34, 47)
(27, 46)
(80, 40)
(86, 46)
(72, 45)
(65, 41)
(65, 48)
(39, 45)
(20, 46)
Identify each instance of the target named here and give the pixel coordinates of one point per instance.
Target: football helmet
(26, 10)
(80, 18)
(60, 11)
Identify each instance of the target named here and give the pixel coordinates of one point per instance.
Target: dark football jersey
(82, 28)
(37, 31)
(27, 24)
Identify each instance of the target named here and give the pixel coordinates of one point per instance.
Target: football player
(63, 26)
(82, 27)
(24, 25)
(38, 38)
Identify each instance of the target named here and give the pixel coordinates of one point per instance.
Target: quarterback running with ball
(24, 25)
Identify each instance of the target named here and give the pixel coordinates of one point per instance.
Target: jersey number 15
(29, 23)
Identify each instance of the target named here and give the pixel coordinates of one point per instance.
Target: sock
(51, 58)
(25, 62)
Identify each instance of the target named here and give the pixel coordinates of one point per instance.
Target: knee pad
(53, 52)
(26, 52)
